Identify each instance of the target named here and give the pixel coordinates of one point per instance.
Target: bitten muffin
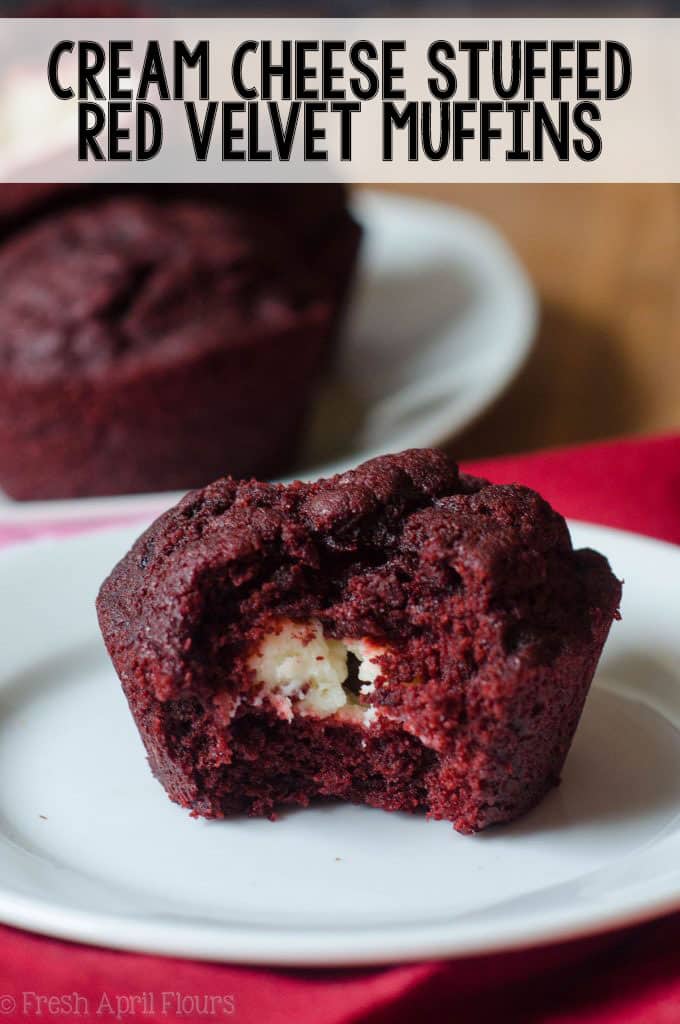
(156, 339)
(402, 636)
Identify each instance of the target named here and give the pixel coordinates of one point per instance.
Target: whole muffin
(155, 339)
(402, 636)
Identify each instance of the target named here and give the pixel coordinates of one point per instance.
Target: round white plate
(442, 319)
(91, 848)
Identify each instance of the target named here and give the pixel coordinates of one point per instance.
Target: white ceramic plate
(91, 849)
(442, 320)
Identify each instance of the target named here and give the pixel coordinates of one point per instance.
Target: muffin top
(392, 551)
(135, 279)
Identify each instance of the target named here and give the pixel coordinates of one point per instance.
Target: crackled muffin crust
(152, 342)
(401, 635)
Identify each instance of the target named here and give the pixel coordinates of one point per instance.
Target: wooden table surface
(605, 260)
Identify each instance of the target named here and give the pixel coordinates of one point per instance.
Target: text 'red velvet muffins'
(156, 339)
(402, 636)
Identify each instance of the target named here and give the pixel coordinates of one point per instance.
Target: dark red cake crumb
(467, 628)
(155, 340)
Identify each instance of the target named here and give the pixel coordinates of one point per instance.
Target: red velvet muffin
(402, 636)
(155, 339)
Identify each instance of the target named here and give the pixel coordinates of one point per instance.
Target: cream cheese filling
(302, 672)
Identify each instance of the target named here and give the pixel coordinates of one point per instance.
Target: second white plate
(442, 319)
(91, 848)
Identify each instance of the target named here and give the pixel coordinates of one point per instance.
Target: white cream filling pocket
(302, 672)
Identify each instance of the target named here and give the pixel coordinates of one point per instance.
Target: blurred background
(351, 8)
(603, 261)
(359, 8)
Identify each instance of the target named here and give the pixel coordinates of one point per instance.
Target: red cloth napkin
(627, 977)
